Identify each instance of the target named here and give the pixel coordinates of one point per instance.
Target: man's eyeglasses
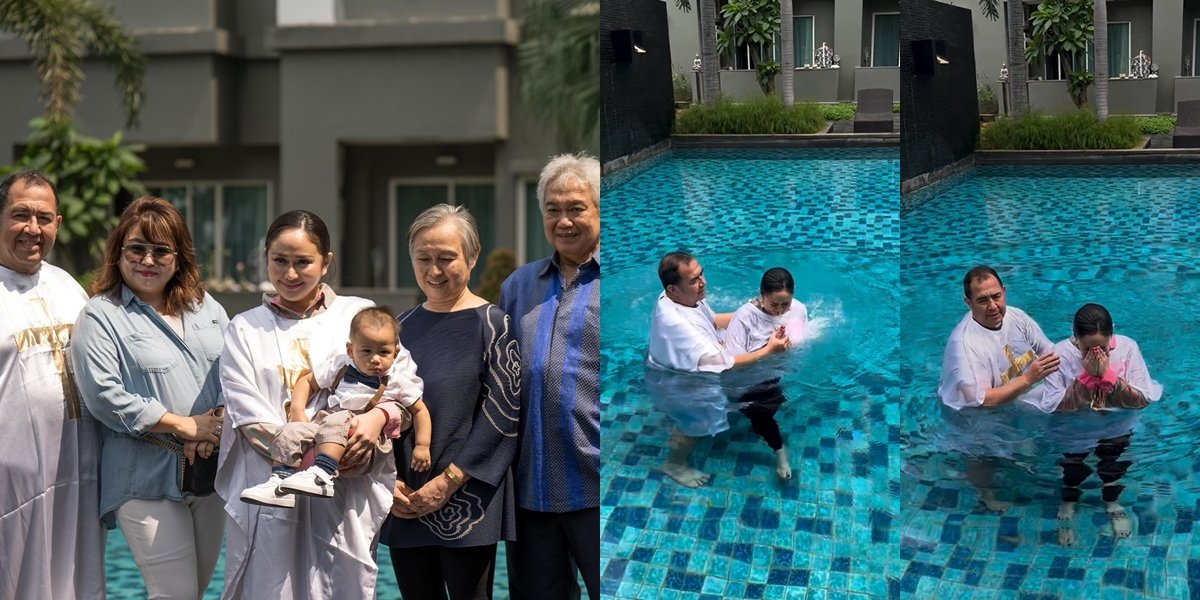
(138, 252)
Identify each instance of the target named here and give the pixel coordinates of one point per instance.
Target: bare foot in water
(782, 468)
(685, 475)
(1066, 524)
(1122, 527)
(988, 497)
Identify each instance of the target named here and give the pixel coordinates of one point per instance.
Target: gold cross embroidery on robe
(294, 366)
(56, 336)
(1016, 364)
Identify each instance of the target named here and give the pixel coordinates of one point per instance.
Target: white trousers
(175, 544)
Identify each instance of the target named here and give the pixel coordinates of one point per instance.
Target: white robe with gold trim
(51, 538)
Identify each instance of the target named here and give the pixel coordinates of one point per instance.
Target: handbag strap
(174, 448)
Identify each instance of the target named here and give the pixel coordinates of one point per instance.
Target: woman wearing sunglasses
(1099, 375)
(145, 355)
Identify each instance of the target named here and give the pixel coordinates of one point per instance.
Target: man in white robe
(51, 538)
(684, 337)
(995, 354)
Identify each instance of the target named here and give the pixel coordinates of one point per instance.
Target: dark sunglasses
(138, 252)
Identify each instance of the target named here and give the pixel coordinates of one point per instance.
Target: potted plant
(987, 102)
(683, 91)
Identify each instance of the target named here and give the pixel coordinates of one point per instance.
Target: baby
(375, 368)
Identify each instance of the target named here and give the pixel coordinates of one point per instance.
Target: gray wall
(390, 10)
(866, 78)
(1168, 49)
(161, 14)
(817, 85)
(823, 25)
(1191, 12)
(1139, 14)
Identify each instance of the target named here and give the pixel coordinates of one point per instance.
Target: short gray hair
(570, 168)
(460, 216)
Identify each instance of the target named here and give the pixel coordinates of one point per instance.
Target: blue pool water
(829, 216)
(125, 582)
(1124, 237)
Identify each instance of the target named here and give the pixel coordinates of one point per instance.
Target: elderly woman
(447, 520)
(555, 304)
(145, 356)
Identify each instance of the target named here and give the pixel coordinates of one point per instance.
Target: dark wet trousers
(762, 402)
(1110, 467)
(550, 547)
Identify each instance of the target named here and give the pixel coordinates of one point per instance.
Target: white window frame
(218, 207)
(522, 197)
(874, 55)
(812, 50)
(394, 236)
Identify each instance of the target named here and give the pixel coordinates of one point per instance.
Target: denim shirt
(132, 368)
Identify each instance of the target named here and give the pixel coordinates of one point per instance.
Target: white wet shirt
(750, 327)
(978, 359)
(1125, 359)
(686, 338)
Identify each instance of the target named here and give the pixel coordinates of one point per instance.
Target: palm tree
(1100, 47)
(710, 71)
(559, 62)
(59, 34)
(787, 56)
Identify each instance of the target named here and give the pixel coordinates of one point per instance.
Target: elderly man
(684, 337)
(554, 304)
(995, 354)
(51, 540)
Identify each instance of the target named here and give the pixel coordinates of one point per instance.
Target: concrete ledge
(152, 42)
(623, 162)
(1160, 156)
(913, 184)
(439, 32)
(814, 140)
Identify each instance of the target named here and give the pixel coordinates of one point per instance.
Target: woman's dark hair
(159, 222)
(308, 222)
(777, 279)
(1091, 319)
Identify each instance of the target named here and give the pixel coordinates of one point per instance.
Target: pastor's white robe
(51, 538)
(322, 548)
(682, 368)
(978, 359)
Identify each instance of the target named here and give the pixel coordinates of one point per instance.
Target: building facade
(864, 34)
(363, 111)
(1164, 31)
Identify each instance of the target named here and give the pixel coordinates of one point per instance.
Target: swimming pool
(829, 216)
(124, 581)
(1059, 236)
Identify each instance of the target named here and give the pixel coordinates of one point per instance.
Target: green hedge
(1079, 130)
(765, 116)
(842, 111)
(1157, 124)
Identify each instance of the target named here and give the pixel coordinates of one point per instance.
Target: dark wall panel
(939, 121)
(637, 103)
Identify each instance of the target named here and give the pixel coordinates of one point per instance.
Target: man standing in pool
(683, 336)
(995, 354)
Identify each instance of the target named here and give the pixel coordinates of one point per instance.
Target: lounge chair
(874, 111)
(1187, 129)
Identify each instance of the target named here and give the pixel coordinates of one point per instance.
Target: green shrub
(842, 111)
(1079, 130)
(765, 115)
(1158, 124)
(896, 107)
(683, 90)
